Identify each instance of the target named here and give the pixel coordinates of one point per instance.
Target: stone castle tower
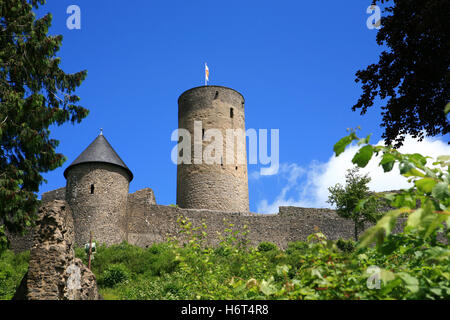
(223, 185)
(97, 190)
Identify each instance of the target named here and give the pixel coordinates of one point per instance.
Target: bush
(267, 246)
(155, 260)
(345, 245)
(115, 274)
(305, 270)
(12, 269)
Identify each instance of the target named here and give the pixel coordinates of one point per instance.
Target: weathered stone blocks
(220, 186)
(54, 273)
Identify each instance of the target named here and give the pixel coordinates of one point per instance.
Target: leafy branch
(430, 189)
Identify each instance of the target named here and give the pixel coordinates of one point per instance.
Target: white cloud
(312, 191)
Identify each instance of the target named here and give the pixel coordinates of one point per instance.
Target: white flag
(206, 73)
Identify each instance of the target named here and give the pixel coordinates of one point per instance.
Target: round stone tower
(222, 184)
(97, 191)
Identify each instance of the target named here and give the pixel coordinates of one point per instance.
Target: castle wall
(148, 224)
(58, 194)
(21, 243)
(144, 195)
(104, 211)
(223, 185)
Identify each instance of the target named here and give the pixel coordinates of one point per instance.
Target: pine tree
(34, 94)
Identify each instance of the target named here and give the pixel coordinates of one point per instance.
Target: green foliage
(340, 146)
(12, 269)
(267, 246)
(113, 275)
(317, 269)
(35, 94)
(3, 239)
(346, 245)
(409, 268)
(154, 261)
(354, 201)
(430, 188)
(412, 75)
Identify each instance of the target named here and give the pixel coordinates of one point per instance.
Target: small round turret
(97, 191)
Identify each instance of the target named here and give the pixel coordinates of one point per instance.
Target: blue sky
(294, 62)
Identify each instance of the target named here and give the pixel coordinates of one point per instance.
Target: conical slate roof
(99, 151)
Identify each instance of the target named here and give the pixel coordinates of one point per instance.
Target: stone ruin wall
(147, 223)
(53, 272)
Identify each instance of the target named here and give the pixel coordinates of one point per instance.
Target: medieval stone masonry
(222, 185)
(97, 191)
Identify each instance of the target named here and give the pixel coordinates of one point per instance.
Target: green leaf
(438, 254)
(388, 166)
(364, 140)
(436, 291)
(387, 162)
(363, 156)
(411, 283)
(282, 270)
(441, 191)
(389, 196)
(425, 185)
(430, 172)
(383, 228)
(447, 108)
(418, 159)
(414, 218)
(340, 146)
(439, 219)
(386, 276)
(413, 173)
(267, 287)
(443, 158)
(362, 256)
(405, 167)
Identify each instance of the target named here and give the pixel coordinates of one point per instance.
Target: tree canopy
(34, 94)
(354, 201)
(412, 76)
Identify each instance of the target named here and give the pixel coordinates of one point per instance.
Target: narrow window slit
(231, 113)
(92, 189)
